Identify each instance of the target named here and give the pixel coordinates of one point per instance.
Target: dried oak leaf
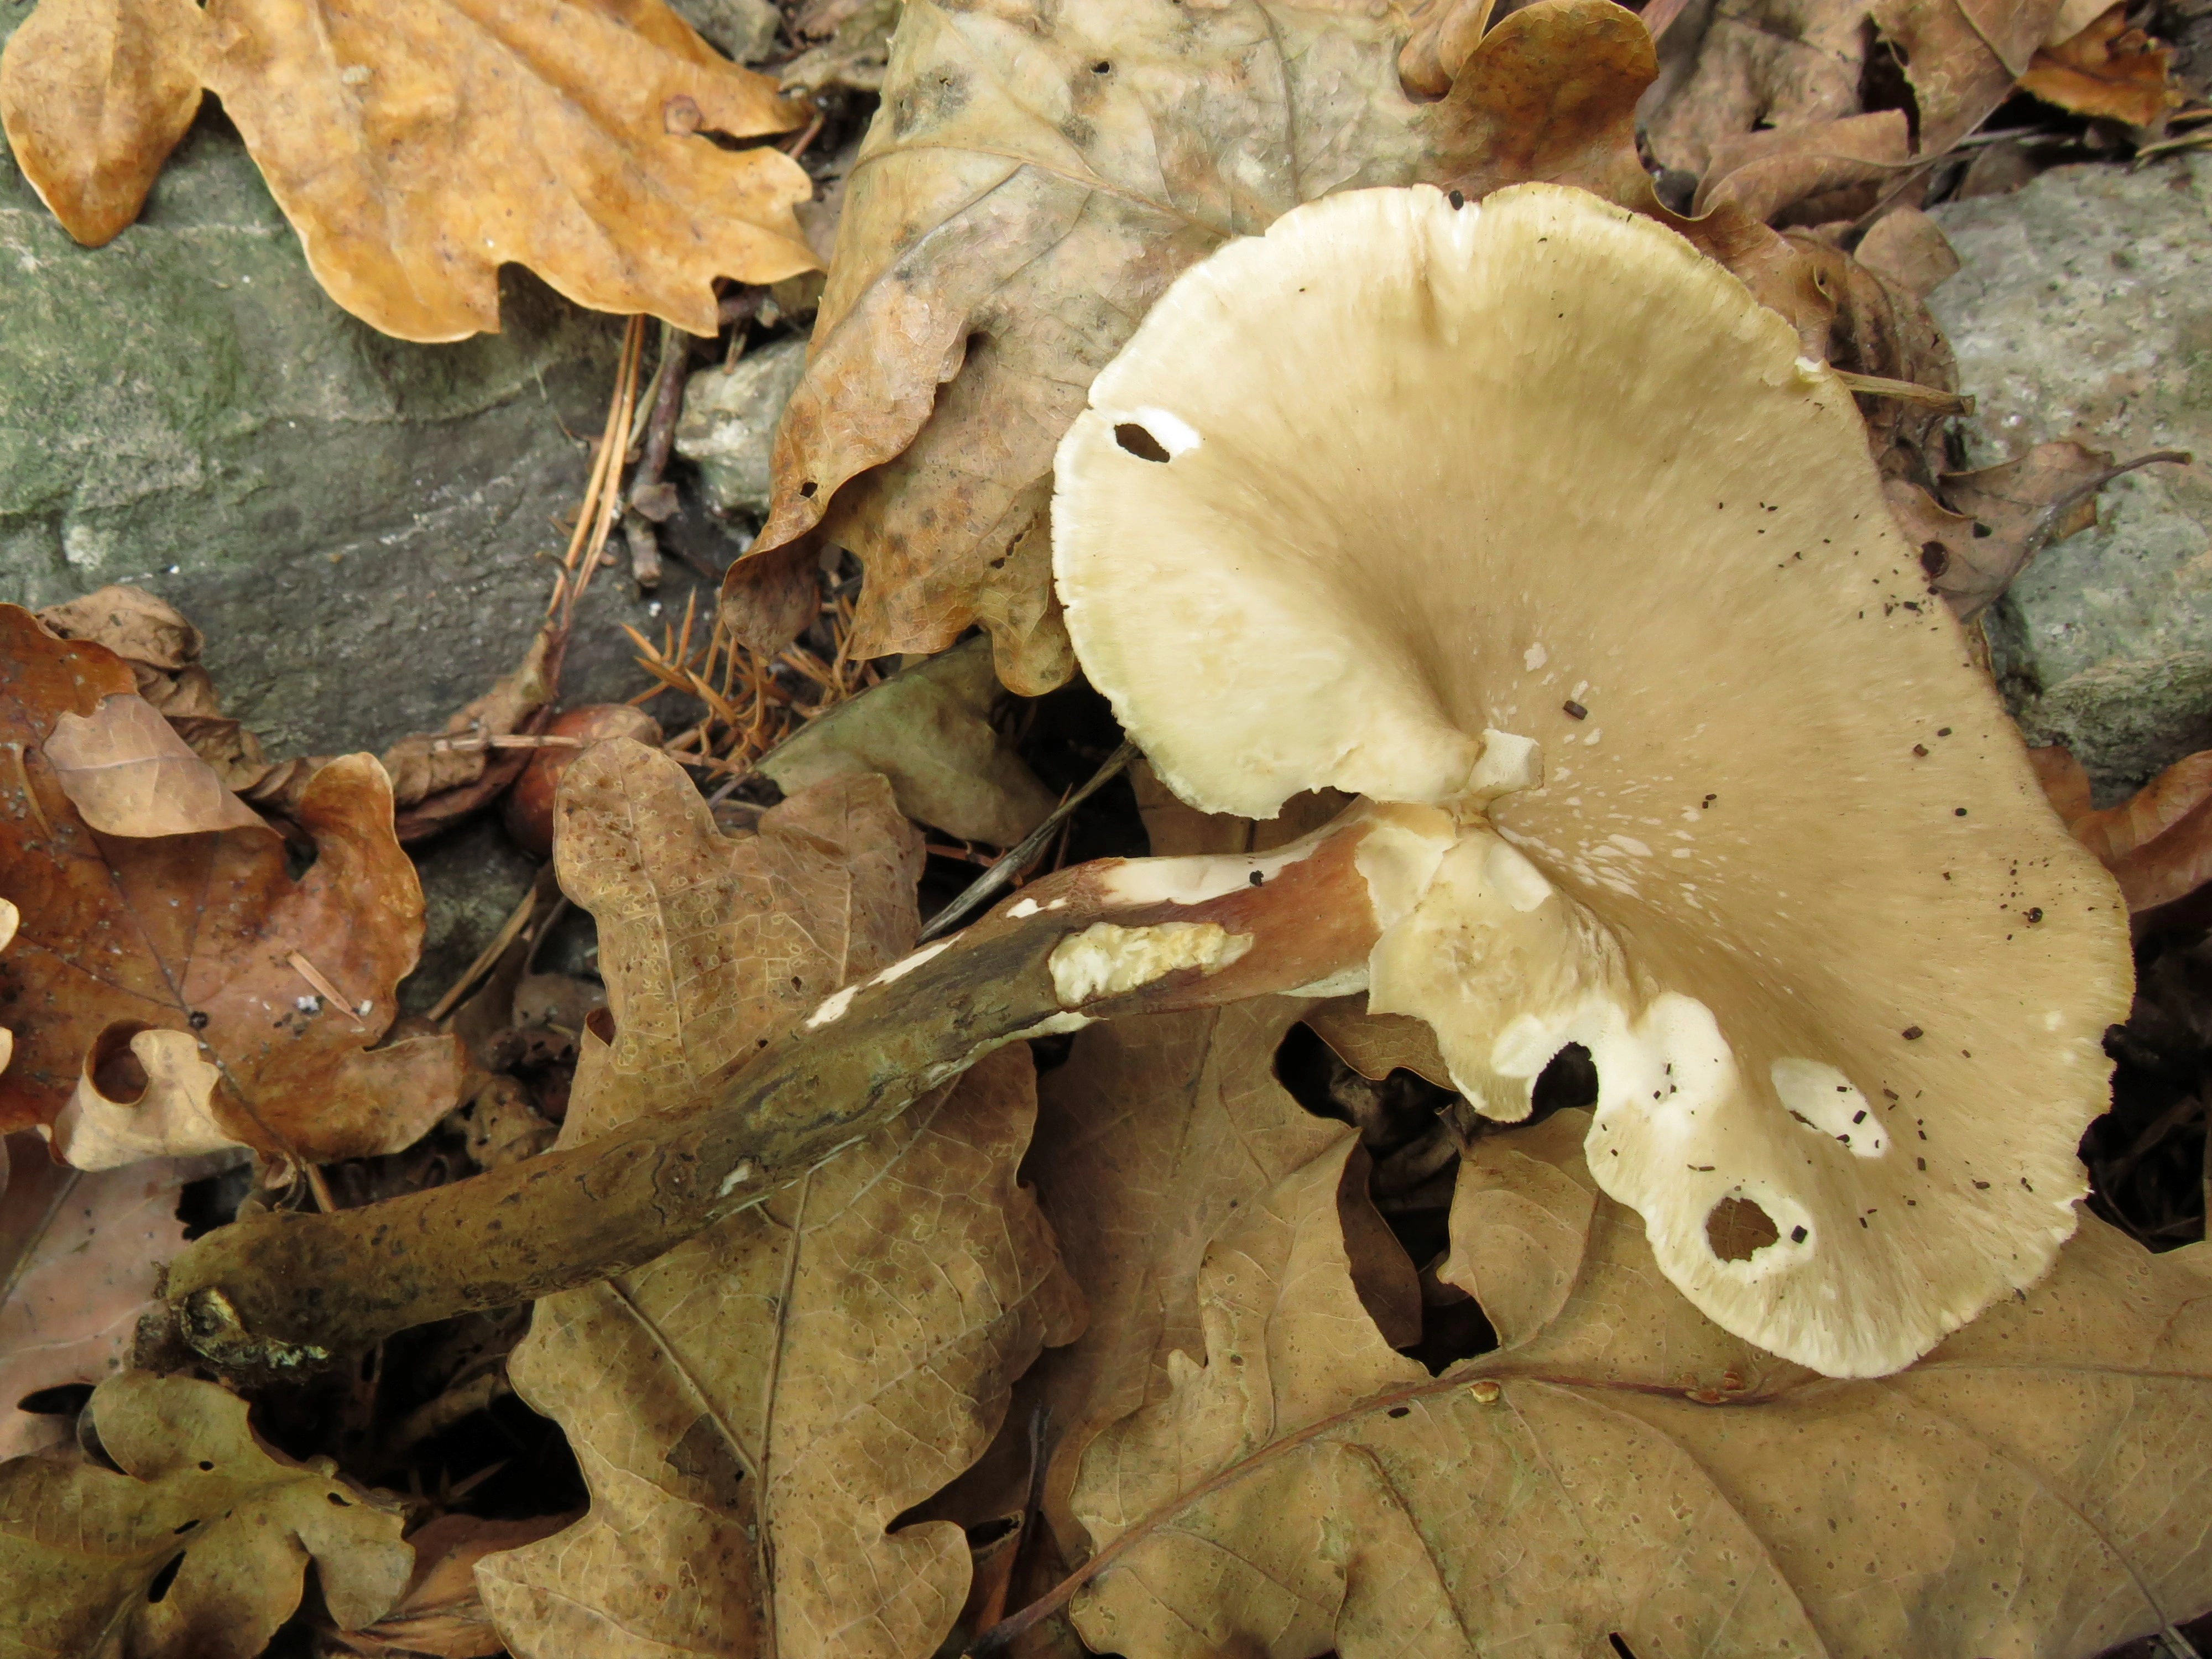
(416, 148)
(440, 1612)
(1763, 64)
(1036, 177)
(195, 1499)
(199, 937)
(79, 1256)
(129, 772)
(1621, 1466)
(2007, 514)
(753, 1409)
(1806, 174)
(1150, 1136)
(2107, 70)
(2158, 841)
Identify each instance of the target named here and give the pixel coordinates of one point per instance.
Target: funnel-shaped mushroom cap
(1526, 514)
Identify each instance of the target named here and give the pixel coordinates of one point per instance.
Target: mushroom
(1527, 521)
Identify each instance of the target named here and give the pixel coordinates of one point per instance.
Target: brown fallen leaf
(1763, 64)
(2158, 841)
(928, 730)
(753, 1409)
(93, 96)
(426, 765)
(1908, 248)
(1621, 1470)
(2006, 515)
(1962, 57)
(440, 1612)
(993, 257)
(1808, 173)
(126, 771)
(196, 935)
(990, 261)
(1150, 1136)
(2107, 70)
(82, 1545)
(80, 1253)
(416, 149)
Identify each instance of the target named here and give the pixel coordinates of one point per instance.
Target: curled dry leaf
(416, 149)
(928, 730)
(1036, 178)
(93, 96)
(992, 260)
(1908, 249)
(80, 1545)
(2108, 70)
(2158, 841)
(126, 771)
(196, 935)
(1621, 1465)
(440, 1612)
(1783, 64)
(754, 1408)
(79, 1257)
(2007, 514)
(1812, 173)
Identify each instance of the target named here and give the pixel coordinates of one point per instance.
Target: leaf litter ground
(732, 1488)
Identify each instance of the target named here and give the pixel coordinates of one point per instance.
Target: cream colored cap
(1527, 512)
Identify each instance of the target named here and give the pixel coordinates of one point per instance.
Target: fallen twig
(283, 1292)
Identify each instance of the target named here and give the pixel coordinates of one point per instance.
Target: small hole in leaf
(1738, 1229)
(167, 1576)
(63, 1400)
(1620, 1646)
(183, 1526)
(115, 1070)
(808, 489)
(1139, 442)
(205, 1466)
(1934, 560)
(1102, 67)
(1981, 529)
(1400, 1411)
(338, 1501)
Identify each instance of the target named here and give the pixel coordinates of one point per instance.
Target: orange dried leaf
(192, 935)
(93, 96)
(2107, 70)
(417, 147)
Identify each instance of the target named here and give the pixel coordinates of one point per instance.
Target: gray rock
(2084, 311)
(355, 523)
(473, 878)
(728, 426)
(744, 29)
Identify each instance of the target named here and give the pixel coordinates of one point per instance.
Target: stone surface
(473, 878)
(728, 426)
(2084, 310)
(743, 29)
(355, 523)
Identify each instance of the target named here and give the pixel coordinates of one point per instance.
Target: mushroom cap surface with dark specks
(1527, 517)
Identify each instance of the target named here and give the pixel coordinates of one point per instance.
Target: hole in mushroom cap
(1738, 1229)
(1139, 443)
(1568, 1080)
(1156, 435)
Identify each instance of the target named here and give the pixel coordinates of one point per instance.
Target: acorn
(529, 807)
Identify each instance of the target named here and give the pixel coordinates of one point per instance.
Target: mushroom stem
(283, 1292)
